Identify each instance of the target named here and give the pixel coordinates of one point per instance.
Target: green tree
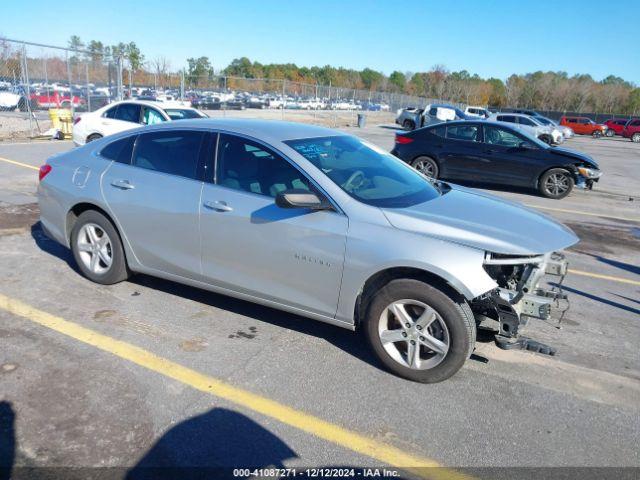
(398, 80)
(199, 69)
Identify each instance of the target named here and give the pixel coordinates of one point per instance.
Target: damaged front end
(519, 297)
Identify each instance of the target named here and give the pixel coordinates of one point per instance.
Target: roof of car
(272, 130)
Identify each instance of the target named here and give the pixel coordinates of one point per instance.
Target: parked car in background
(125, 115)
(256, 102)
(530, 125)
(583, 126)
(57, 99)
(412, 118)
(566, 131)
(615, 126)
(11, 100)
(477, 112)
(632, 130)
(498, 153)
(311, 221)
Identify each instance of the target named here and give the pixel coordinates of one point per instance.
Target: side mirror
(301, 198)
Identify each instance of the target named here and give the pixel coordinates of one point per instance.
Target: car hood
(564, 152)
(485, 222)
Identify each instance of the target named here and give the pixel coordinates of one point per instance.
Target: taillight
(44, 171)
(402, 140)
(77, 119)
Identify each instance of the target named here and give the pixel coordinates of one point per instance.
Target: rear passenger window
(128, 112)
(438, 131)
(111, 113)
(120, 150)
(176, 152)
(250, 167)
(468, 133)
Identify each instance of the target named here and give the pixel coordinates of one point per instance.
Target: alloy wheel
(426, 167)
(557, 184)
(636, 138)
(413, 334)
(94, 248)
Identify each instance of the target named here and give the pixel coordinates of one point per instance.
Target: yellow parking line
(588, 214)
(20, 164)
(604, 277)
(385, 453)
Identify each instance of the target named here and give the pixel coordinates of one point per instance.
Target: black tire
(427, 166)
(556, 183)
(635, 138)
(609, 133)
(409, 125)
(93, 136)
(596, 134)
(454, 312)
(118, 270)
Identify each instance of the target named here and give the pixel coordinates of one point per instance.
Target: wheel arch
(569, 168)
(78, 209)
(383, 277)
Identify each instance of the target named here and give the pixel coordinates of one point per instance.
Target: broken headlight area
(519, 295)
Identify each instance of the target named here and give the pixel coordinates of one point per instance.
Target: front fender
(371, 249)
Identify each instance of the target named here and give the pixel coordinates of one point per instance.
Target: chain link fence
(36, 78)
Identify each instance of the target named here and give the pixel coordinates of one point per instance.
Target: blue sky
(488, 37)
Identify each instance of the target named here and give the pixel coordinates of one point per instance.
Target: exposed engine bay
(519, 297)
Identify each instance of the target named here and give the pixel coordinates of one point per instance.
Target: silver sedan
(308, 220)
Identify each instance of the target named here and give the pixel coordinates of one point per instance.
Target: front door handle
(218, 205)
(122, 184)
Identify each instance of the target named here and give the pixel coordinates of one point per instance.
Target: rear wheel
(556, 183)
(97, 249)
(409, 125)
(635, 137)
(426, 166)
(418, 332)
(93, 136)
(609, 133)
(596, 134)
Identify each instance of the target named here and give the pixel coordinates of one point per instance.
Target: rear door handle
(122, 184)
(218, 205)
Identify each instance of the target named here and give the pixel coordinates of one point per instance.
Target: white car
(566, 131)
(530, 125)
(478, 112)
(120, 116)
(9, 100)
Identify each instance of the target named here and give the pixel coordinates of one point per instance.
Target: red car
(55, 99)
(632, 130)
(615, 126)
(583, 126)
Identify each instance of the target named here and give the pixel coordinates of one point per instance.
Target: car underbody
(519, 296)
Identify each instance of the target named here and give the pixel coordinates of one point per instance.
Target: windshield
(183, 113)
(544, 121)
(366, 172)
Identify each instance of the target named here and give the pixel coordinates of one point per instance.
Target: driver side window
(248, 166)
(501, 137)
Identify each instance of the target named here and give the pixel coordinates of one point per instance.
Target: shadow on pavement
(341, 338)
(211, 445)
(599, 299)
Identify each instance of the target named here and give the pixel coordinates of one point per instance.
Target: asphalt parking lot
(150, 373)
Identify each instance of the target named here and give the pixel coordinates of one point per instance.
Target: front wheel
(93, 136)
(556, 183)
(609, 133)
(546, 139)
(97, 249)
(635, 138)
(426, 166)
(418, 332)
(596, 134)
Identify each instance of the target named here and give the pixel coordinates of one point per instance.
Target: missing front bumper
(513, 307)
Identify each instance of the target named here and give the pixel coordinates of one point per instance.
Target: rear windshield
(366, 172)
